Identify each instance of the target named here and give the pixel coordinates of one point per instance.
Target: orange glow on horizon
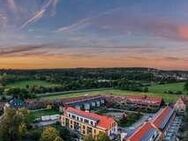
(37, 62)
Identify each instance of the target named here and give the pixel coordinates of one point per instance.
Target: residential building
(180, 106)
(155, 129)
(88, 123)
(163, 119)
(146, 132)
(138, 101)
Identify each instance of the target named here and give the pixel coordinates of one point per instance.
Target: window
(73, 116)
(89, 130)
(91, 122)
(81, 119)
(86, 121)
(83, 127)
(100, 132)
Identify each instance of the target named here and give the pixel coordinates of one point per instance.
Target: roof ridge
(138, 129)
(159, 113)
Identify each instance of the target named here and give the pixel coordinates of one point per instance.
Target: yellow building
(88, 123)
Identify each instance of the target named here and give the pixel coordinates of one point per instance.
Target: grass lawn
(167, 97)
(23, 84)
(39, 113)
(166, 87)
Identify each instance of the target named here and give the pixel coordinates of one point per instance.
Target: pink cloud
(183, 31)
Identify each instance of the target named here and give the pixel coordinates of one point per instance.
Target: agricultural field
(167, 97)
(163, 88)
(23, 84)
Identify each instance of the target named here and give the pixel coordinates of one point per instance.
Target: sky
(94, 33)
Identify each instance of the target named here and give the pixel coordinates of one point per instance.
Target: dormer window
(91, 122)
(86, 121)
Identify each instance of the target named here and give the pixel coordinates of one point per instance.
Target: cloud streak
(39, 14)
(12, 51)
(12, 5)
(84, 22)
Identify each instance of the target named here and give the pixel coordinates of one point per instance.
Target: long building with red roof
(146, 132)
(154, 129)
(88, 123)
(137, 101)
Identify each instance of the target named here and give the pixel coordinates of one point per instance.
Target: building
(88, 123)
(180, 106)
(85, 102)
(144, 101)
(163, 119)
(146, 132)
(155, 129)
(15, 103)
(138, 101)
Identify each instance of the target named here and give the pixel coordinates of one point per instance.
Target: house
(88, 123)
(15, 103)
(180, 106)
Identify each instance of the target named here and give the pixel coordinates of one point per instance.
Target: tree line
(134, 79)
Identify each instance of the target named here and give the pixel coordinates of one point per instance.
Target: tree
(22, 129)
(186, 86)
(58, 138)
(102, 137)
(89, 138)
(13, 124)
(49, 134)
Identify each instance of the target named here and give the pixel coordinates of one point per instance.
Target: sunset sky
(94, 33)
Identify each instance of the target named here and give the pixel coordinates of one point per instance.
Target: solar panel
(148, 135)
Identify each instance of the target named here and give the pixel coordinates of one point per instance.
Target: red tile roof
(162, 115)
(104, 122)
(138, 99)
(146, 99)
(138, 135)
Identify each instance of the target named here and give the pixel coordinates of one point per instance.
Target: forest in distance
(28, 83)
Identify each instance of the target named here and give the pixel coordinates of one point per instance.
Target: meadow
(166, 97)
(162, 88)
(155, 90)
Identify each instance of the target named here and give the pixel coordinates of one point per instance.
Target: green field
(23, 84)
(167, 97)
(174, 87)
